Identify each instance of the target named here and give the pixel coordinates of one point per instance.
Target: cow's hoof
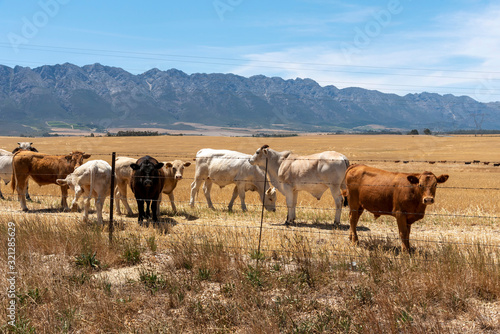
(287, 224)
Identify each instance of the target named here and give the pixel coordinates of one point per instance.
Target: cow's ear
(33, 149)
(135, 166)
(271, 191)
(86, 156)
(159, 165)
(61, 181)
(442, 178)
(168, 164)
(187, 164)
(69, 157)
(413, 179)
(31, 144)
(16, 149)
(18, 143)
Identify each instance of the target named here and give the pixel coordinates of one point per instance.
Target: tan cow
(123, 173)
(174, 172)
(44, 169)
(404, 196)
(314, 173)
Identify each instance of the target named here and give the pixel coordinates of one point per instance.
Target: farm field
(199, 271)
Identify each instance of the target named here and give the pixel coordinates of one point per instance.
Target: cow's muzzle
(178, 177)
(428, 200)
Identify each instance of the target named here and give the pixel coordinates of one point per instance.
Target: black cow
(147, 183)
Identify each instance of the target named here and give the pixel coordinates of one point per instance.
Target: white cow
(92, 178)
(224, 167)
(6, 163)
(5, 169)
(173, 173)
(312, 173)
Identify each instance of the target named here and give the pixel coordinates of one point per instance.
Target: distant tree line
(279, 135)
(130, 133)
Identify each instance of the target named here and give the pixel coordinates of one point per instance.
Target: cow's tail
(93, 174)
(13, 181)
(343, 185)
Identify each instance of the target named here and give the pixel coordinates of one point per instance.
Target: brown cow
(404, 196)
(44, 169)
(174, 172)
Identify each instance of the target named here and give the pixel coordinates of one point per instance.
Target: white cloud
(458, 55)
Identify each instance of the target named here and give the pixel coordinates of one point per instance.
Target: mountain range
(102, 97)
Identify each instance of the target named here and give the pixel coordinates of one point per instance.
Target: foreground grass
(215, 281)
(201, 272)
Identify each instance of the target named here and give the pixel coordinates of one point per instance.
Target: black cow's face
(147, 172)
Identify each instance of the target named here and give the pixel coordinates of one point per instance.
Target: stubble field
(200, 271)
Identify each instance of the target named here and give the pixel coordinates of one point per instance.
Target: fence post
(262, 213)
(112, 197)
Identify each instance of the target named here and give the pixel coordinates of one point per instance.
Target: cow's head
(24, 146)
(177, 167)
(270, 199)
(259, 158)
(75, 158)
(146, 171)
(427, 183)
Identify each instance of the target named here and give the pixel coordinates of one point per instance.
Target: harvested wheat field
(200, 270)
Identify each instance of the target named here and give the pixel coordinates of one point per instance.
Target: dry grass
(200, 271)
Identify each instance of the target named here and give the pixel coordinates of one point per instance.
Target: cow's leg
(78, 193)
(241, 193)
(155, 207)
(291, 203)
(140, 207)
(195, 186)
(86, 208)
(122, 189)
(337, 197)
(27, 195)
(99, 202)
(354, 214)
(148, 212)
(172, 202)
(64, 198)
(117, 200)
(21, 186)
(404, 231)
(207, 187)
(158, 205)
(233, 197)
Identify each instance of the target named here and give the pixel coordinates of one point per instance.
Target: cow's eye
(420, 185)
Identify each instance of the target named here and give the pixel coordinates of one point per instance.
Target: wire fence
(335, 231)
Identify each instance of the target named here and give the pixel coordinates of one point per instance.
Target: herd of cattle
(404, 196)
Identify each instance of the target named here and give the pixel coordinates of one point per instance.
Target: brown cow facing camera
(404, 196)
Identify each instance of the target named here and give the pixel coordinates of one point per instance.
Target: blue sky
(394, 46)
